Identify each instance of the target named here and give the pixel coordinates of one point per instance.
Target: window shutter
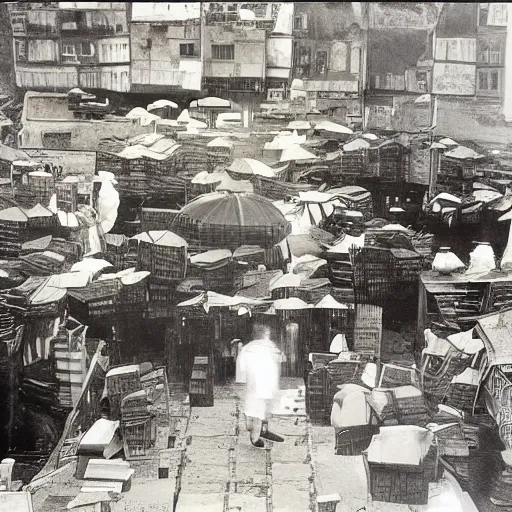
(304, 21)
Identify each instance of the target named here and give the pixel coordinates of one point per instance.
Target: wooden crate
(139, 436)
(400, 483)
(354, 440)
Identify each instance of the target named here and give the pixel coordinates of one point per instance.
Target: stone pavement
(223, 472)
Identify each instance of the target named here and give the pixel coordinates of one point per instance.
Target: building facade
(400, 60)
(165, 47)
(329, 55)
(61, 45)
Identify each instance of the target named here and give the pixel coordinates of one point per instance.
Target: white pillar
(6, 467)
(507, 89)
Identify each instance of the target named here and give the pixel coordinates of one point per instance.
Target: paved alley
(224, 472)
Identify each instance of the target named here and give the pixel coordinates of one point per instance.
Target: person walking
(259, 366)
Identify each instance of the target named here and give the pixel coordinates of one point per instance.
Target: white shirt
(259, 364)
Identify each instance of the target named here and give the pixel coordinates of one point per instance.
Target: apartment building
(60, 45)
(166, 47)
(329, 55)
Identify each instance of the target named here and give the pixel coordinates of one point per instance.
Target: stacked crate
(201, 383)
(67, 197)
(121, 382)
(138, 425)
(13, 225)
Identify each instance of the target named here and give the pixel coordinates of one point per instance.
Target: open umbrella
(251, 166)
(329, 126)
(143, 115)
(210, 102)
(166, 238)
(297, 154)
(229, 220)
(161, 104)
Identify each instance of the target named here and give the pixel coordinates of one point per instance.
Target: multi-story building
(400, 39)
(166, 48)
(329, 55)
(61, 45)
(469, 71)
(234, 49)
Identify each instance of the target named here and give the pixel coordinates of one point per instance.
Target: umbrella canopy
(143, 115)
(329, 126)
(212, 102)
(297, 153)
(166, 238)
(184, 117)
(370, 136)
(229, 220)
(462, 153)
(250, 166)
(448, 142)
(356, 144)
(329, 302)
(231, 185)
(299, 125)
(161, 104)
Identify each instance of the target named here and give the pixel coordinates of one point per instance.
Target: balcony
(41, 31)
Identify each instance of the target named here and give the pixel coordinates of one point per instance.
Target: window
(69, 53)
(187, 50)
(495, 57)
(18, 24)
(57, 140)
(321, 62)
(483, 12)
(86, 49)
(21, 50)
(223, 51)
(300, 22)
(494, 81)
(483, 55)
(489, 80)
(482, 80)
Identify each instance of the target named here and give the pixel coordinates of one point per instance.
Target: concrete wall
(250, 50)
(472, 119)
(161, 64)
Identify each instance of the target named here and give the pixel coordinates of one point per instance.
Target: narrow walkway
(223, 472)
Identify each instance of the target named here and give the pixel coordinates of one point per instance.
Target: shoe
(258, 444)
(270, 436)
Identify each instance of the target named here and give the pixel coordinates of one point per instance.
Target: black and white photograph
(255, 257)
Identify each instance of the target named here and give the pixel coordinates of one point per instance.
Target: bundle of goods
(380, 275)
(155, 219)
(462, 390)
(348, 368)
(13, 224)
(248, 255)
(256, 283)
(314, 290)
(72, 251)
(275, 189)
(353, 164)
(36, 245)
(190, 159)
(455, 176)
(40, 218)
(422, 243)
(454, 449)
(134, 294)
(220, 152)
(43, 263)
(317, 406)
(388, 239)
(355, 198)
(138, 423)
(42, 185)
(162, 253)
(402, 476)
(67, 196)
(403, 405)
(500, 295)
(117, 248)
(285, 286)
(201, 383)
(440, 363)
(120, 382)
(161, 299)
(215, 268)
(98, 300)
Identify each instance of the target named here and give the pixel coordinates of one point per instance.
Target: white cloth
(259, 365)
